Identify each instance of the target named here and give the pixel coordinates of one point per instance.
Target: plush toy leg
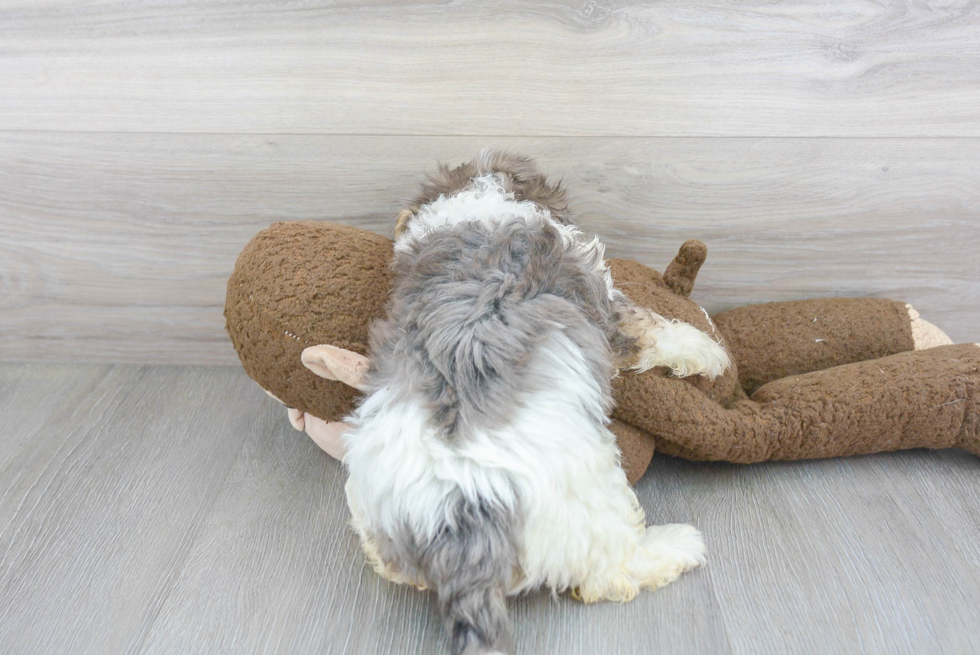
(775, 340)
(636, 448)
(917, 399)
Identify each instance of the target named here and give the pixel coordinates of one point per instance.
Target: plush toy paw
(925, 334)
(329, 436)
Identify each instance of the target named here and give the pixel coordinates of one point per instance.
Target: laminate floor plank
(30, 397)
(101, 505)
(831, 556)
(167, 509)
(276, 569)
(947, 484)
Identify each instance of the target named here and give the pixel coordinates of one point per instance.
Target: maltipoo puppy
(480, 460)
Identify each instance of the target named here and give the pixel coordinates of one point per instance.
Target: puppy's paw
(666, 552)
(684, 349)
(684, 542)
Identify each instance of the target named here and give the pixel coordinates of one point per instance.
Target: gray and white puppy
(480, 460)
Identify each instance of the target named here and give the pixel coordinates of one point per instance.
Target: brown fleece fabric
(636, 447)
(300, 284)
(680, 274)
(775, 340)
(917, 399)
(846, 383)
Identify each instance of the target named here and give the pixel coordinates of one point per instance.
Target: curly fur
(480, 460)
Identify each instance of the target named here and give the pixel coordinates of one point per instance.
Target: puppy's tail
(470, 564)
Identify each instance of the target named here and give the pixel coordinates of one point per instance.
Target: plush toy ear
(335, 363)
(681, 273)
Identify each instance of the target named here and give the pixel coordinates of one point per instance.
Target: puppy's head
(518, 175)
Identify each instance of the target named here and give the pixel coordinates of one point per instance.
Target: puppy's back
(493, 359)
(471, 306)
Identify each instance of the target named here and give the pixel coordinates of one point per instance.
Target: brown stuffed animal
(815, 378)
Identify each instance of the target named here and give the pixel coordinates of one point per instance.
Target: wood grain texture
(835, 555)
(165, 510)
(818, 148)
(276, 569)
(109, 480)
(117, 247)
(569, 67)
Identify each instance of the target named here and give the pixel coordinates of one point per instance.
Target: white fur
(483, 200)
(675, 344)
(583, 525)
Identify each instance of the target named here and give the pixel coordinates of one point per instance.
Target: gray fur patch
(471, 306)
(470, 564)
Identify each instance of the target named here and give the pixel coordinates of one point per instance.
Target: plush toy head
(302, 284)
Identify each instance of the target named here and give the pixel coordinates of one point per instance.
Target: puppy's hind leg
(664, 552)
(654, 557)
(591, 538)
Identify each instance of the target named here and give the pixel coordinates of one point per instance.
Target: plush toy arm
(328, 436)
(915, 399)
(774, 340)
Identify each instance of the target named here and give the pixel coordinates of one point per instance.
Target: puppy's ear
(401, 223)
(335, 363)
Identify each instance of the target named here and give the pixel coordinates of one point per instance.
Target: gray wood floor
(173, 510)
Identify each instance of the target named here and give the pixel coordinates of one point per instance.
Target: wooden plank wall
(819, 148)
